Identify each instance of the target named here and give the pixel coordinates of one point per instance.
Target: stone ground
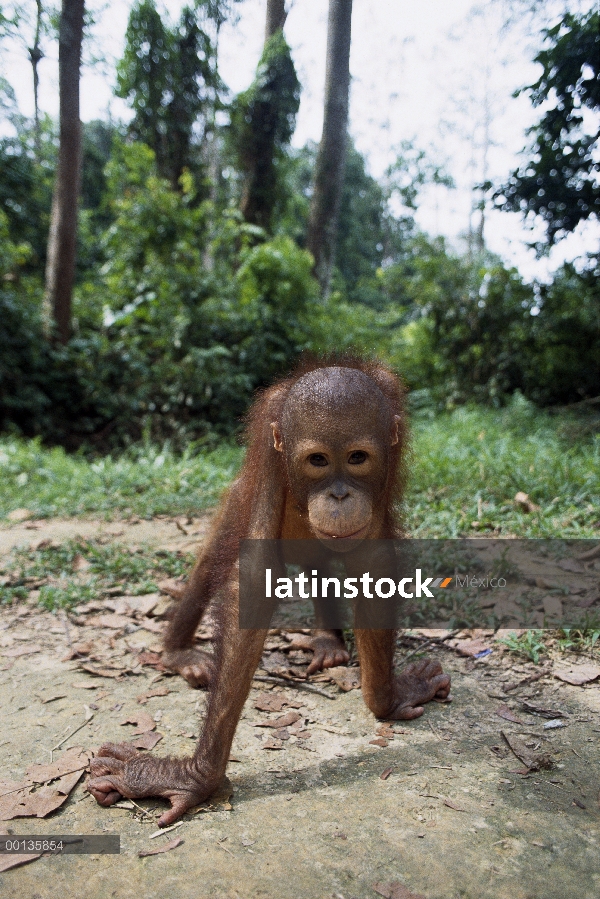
(456, 817)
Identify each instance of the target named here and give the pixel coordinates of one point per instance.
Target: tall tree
(276, 16)
(263, 120)
(331, 158)
(60, 264)
(559, 182)
(35, 55)
(169, 75)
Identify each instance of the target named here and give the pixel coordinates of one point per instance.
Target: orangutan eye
(357, 458)
(318, 460)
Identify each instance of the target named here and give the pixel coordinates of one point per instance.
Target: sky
(439, 73)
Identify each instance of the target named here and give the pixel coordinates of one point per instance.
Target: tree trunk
(331, 158)
(276, 16)
(60, 265)
(35, 54)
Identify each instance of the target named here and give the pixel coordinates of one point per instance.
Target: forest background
(193, 282)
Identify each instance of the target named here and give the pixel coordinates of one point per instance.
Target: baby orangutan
(324, 461)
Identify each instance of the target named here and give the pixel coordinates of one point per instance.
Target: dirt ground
(458, 815)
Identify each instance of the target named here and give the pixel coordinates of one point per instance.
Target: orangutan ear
(277, 437)
(395, 438)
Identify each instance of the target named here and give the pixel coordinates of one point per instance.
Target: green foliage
(262, 122)
(563, 365)
(145, 480)
(530, 644)
(474, 460)
(560, 182)
(79, 570)
(26, 189)
(169, 76)
(477, 331)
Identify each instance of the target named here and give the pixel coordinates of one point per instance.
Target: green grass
(144, 481)
(466, 467)
(75, 571)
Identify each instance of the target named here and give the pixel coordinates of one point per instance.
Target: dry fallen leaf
(380, 741)
(534, 760)
(150, 658)
(345, 678)
(577, 674)
(27, 799)
(15, 861)
(503, 711)
(112, 621)
(396, 890)
(385, 773)
(80, 563)
(524, 503)
(272, 743)
(158, 691)
(454, 805)
(275, 702)
(116, 671)
(172, 844)
(73, 759)
(142, 720)
(19, 515)
(21, 651)
(173, 587)
(147, 740)
(470, 648)
(571, 565)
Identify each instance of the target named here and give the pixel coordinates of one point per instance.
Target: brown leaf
(504, 711)
(385, 730)
(577, 674)
(289, 718)
(15, 861)
(143, 721)
(345, 678)
(19, 515)
(524, 503)
(451, 804)
(534, 760)
(112, 621)
(270, 702)
(172, 844)
(272, 743)
(150, 658)
(29, 800)
(80, 563)
(396, 890)
(73, 759)
(379, 742)
(115, 672)
(158, 691)
(385, 773)
(470, 648)
(571, 565)
(17, 651)
(137, 605)
(173, 587)
(147, 740)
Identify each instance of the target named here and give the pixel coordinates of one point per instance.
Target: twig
(160, 832)
(525, 681)
(434, 731)
(417, 650)
(73, 732)
(592, 553)
(287, 682)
